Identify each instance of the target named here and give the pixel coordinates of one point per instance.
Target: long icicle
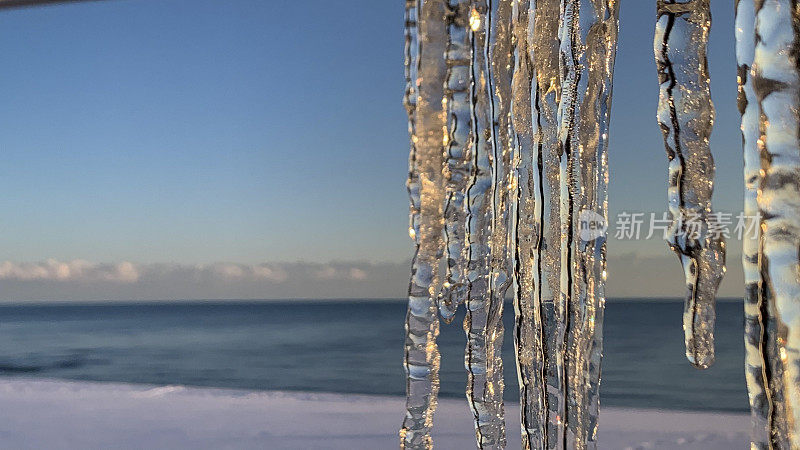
(528, 330)
(588, 48)
(503, 203)
(488, 248)
(595, 54)
(422, 324)
(763, 367)
(754, 326)
(776, 84)
(479, 228)
(569, 73)
(482, 323)
(410, 103)
(458, 170)
(545, 104)
(686, 116)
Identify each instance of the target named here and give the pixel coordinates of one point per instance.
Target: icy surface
(686, 116)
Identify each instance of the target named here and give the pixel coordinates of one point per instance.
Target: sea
(346, 347)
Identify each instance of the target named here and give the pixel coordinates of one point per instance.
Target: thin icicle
(422, 324)
(479, 229)
(776, 84)
(754, 329)
(686, 116)
(588, 47)
(528, 333)
(570, 72)
(594, 49)
(410, 103)
(482, 323)
(545, 51)
(503, 202)
(763, 366)
(458, 167)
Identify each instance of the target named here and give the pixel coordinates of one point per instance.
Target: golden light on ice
(475, 20)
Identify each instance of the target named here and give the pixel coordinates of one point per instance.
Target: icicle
(686, 115)
(528, 332)
(458, 167)
(754, 331)
(763, 366)
(483, 324)
(588, 147)
(505, 170)
(503, 202)
(422, 325)
(545, 51)
(479, 229)
(588, 36)
(776, 85)
(410, 102)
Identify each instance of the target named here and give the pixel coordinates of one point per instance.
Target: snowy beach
(58, 414)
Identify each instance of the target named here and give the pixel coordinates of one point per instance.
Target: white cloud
(76, 270)
(126, 272)
(229, 271)
(269, 273)
(341, 272)
(327, 273)
(79, 280)
(357, 274)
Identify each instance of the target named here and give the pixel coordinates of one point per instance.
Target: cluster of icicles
(508, 104)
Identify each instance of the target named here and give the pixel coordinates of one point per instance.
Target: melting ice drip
(686, 116)
(508, 105)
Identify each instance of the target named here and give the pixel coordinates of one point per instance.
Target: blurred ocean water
(345, 346)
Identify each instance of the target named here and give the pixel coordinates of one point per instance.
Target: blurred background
(168, 165)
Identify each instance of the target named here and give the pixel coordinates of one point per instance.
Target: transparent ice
(588, 32)
(686, 116)
(534, 92)
(426, 38)
(508, 104)
(769, 98)
(763, 366)
(486, 251)
(509, 107)
(458, 170)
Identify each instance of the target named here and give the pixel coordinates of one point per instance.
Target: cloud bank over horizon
(79, 280)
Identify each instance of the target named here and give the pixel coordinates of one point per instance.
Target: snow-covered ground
(49, 414)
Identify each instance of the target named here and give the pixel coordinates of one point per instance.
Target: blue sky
(192, 132)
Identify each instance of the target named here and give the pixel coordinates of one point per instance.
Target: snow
(56, 414)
